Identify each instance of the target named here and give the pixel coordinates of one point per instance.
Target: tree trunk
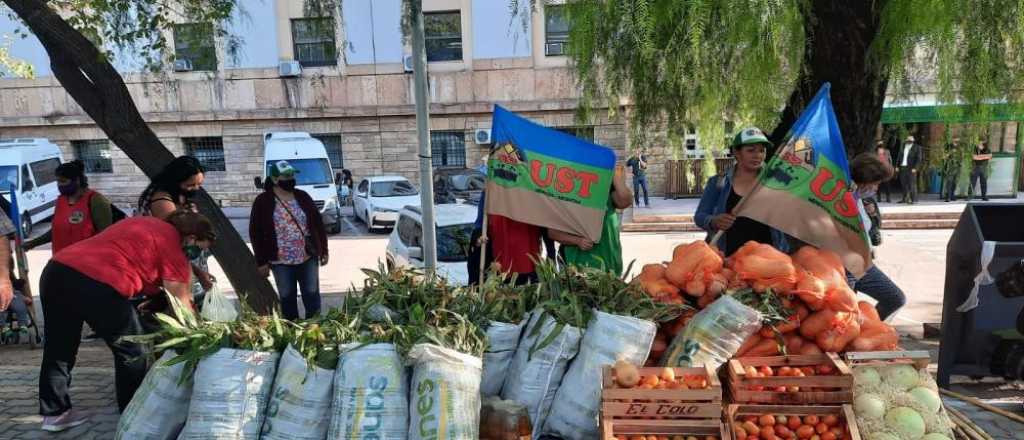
(839, 36)
(100, 90)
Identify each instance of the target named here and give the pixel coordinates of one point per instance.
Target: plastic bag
(502, 341)
(445, 394)
(300, 401)
(714, 335)
(371, 394)
(608, 338)
(160, 405)
(217, 306)
(540, 362)
(230, 395)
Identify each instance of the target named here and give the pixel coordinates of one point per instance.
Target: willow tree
(83, 37)
(760, 61)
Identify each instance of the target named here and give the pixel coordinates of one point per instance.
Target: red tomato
(820, 428)
(793, 423)
(828, 436)
(782, 431)
(805, 432)
(830, 420)
(768, 433)
(767, 420)
(837, 432)
(811, 420)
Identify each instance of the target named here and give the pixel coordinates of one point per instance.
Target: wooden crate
(919, 358)
(635, 411)
(812, 389)
(698, 428)
(736, 412)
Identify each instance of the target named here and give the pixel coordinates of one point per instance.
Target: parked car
(452, 185)
(454, 228)
(308, 155)
(378, 199)
(28, 168)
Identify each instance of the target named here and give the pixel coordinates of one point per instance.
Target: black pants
(979, 173)
(473, 263)
(950, 180)
(908, 180)
(69, 298)
(885, 188)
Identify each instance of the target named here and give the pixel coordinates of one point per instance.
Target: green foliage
(11, 66)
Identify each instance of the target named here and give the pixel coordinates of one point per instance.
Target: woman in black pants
(92, 281)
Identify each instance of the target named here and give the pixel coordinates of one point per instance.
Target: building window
(556, 30)
(332, 142)
(95, 154)
(583, 132)
(194, 42)
(443, 33)
(209, 151)
(448, 149)
(313, 40)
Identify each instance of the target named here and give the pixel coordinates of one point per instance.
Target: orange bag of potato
(810, 348)
(841, 299)
(693, 267)
(868, 311)
(816, 323)
(764, 267)
(794, 343)
(822, 280)
(651, 272)
(875, 335)
(843, 329)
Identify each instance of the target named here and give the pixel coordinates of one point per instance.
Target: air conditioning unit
(482, 136)
(407, 63)
(289, 68)
(553, 49)
(182, 65)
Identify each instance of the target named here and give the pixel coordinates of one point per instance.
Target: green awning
(953, 113)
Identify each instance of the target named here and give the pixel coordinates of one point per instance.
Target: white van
(309, 157)
(28, 168)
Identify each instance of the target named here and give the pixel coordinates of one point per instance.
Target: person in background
(80, 213)
(345, 189)
(638, 165)
(867, 173)
(92, 281)
(951, 170)
(19, 305)
(723, 192)
(288, 238)
(172, 189)
(979, 172)
(515, 245)
(606, 254)
(6, 261)
(886, 157)
(910, 158)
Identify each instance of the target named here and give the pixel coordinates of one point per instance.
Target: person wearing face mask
(92, 281)
(80, 212)
(723, 192)
(288, 238)
(867, 173)
(172, 189)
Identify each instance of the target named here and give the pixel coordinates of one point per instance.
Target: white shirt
(906, 154)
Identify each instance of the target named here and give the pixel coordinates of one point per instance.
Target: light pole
(419, 61)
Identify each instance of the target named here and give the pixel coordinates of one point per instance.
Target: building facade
(219, 98)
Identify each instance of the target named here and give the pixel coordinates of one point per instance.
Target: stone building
(217, 105)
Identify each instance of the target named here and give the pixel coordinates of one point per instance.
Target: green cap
(750, 136)
(282, 168)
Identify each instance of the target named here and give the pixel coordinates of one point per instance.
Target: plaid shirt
(6, 227)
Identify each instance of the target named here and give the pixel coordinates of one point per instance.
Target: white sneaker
(68, 420)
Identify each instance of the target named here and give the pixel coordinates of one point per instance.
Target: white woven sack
(502, 341)
(371, 394)
(300, 401)
(160, 405)
(230, 395)
(445, 397)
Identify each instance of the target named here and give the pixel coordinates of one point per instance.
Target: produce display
(665, 437)
(627, 375)
(789, 427)
(807, 307)
(899, 402)
(767, 371)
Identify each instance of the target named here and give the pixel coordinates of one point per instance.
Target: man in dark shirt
(638, 165)
(951, 170)
(982, 155)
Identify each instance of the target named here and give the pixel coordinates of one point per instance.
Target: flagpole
(483, 237)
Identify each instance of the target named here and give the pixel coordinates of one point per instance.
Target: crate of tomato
(800, 379)
(789, 422)
(657, 403)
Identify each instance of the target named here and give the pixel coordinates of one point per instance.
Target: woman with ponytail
(80, 213)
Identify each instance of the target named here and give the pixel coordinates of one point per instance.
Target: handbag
(311, 250)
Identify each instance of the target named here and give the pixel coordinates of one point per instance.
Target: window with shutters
(443, 35)
(556, 30)
(448, 149)
(314, 41)
(209, 151)
(194, 42)
(332, 142)
(95, 154)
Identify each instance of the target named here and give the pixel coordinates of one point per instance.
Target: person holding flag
(722, 193)
(6, 286)
(605, 254)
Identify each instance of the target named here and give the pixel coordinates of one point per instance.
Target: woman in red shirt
(92, 280)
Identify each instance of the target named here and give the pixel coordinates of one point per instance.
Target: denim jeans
(877, 285)
(307, 276)
(640, 182)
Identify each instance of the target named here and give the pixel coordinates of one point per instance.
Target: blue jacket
(712, 203)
